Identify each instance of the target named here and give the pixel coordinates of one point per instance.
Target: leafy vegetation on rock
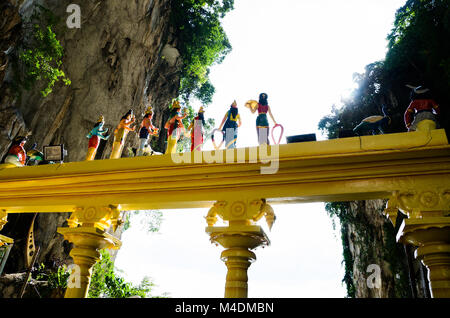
(107, 283)
(202, 42)
(418, 54)
(40, 55)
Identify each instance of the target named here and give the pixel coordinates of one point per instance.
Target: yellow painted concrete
(332, 170)
(412, 170)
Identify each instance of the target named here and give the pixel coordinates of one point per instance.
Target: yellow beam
(332, 170)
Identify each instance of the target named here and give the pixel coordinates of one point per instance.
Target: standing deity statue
(422, 112)
(121, 132)
(229, 126)
(16, 154)
(145, 131)
(196, 129)
(262, 123)
(174, 125)
(94, 136)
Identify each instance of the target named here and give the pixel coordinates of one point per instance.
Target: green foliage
(364, 101)
(151, 220)
(106, 283)
(377, 245)
(42, 54)
(56, 279)
(391, 251)
(418, 54)
(202, 42)
(341, 210)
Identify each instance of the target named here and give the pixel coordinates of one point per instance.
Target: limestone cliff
(123, 56)
(368, 242)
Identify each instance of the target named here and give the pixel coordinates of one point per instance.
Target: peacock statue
(372, 124)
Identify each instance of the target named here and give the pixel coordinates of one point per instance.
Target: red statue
(422, 108)
(173, 125)
(16, 154)
(94, 136)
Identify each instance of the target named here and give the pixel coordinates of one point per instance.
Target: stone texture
(371, 239)
(115, 64)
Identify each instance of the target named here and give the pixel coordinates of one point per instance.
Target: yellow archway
(412, 170)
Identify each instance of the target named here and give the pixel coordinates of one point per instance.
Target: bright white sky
(302, 53)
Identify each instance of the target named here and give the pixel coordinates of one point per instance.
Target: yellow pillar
(428, 228)
(238, 261)
(238, 239)
(87, 231)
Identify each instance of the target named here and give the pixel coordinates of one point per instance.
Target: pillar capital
(87, 231)
(101, 217)
(426, 202)
(240, 236)
(427, 227)
(241, 212)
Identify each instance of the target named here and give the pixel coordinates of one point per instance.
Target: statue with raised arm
(94, 136)
(174, 126)
(262, 123)
(145, 131)
(121, 132)
(229, 126)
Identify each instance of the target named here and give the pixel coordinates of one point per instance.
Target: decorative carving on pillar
(241, 212)
(4, 239)
(423, 202)
(238, 238)
(96, 216)
(428, 228)
(392, 210)
(87, 230)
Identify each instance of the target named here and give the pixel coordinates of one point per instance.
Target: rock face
(11, 120)
(370, 248)
(115, 63)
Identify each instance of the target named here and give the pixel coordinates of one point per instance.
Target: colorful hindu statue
(422, 111)
(174, 126)
(196, 129)
(16, 154)
(145, 131)
(34, 156)
(121, 132)
(262, 123)
(94, 136)
(229, 126)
